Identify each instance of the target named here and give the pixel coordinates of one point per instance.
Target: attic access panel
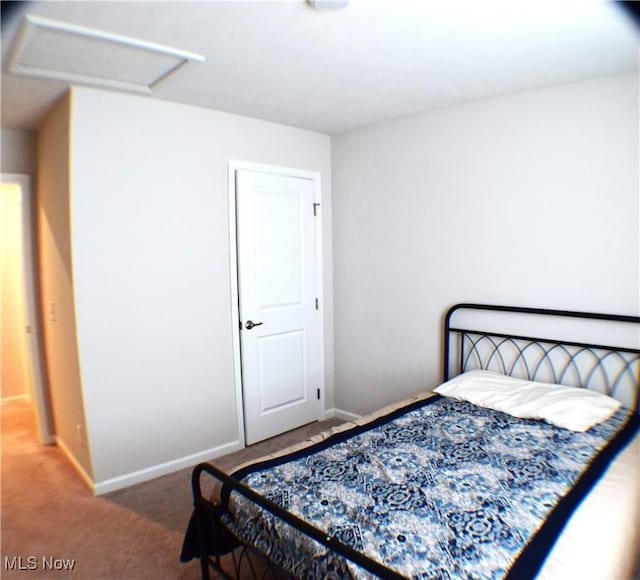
(66, 52)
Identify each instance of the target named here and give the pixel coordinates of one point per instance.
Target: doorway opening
(23, 379)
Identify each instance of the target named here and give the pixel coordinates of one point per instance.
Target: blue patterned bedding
(442, 489)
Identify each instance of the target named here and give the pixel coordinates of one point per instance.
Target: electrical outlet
(52, 311)
(80, 434)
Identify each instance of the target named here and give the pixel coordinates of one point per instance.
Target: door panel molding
(235, 166)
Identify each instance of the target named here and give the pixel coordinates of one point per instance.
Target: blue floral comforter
(443, 489)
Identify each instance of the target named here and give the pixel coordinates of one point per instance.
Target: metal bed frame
(595, 366)
(602, 367)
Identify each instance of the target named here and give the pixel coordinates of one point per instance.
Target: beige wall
(14, 380)
(56, 278)
(529, 199)
(18, 151)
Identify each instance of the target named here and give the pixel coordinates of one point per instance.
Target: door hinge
(317, 304)
(318, 391)
(315, 209)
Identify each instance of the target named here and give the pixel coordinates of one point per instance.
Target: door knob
(250, 324)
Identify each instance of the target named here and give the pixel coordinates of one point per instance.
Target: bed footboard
(210, 540)
(214, 541)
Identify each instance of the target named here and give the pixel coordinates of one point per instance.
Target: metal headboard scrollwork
(609, 369)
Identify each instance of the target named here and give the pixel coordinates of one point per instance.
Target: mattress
(599, 540)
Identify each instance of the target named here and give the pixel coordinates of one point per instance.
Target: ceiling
(335, 70)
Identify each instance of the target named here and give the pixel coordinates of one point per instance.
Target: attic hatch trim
(32, 24)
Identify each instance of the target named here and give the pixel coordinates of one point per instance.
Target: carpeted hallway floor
(50, 518)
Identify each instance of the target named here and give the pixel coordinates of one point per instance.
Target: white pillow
(569, 407)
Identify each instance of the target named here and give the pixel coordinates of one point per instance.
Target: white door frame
(233, 260)
(40, 398)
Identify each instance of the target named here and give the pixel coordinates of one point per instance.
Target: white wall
(152, 275)
(529, 199)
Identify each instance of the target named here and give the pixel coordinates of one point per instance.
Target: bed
(522, 464)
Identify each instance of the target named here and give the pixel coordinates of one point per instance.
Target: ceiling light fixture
(327, 4)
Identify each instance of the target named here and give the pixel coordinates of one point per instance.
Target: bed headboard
(553, 346)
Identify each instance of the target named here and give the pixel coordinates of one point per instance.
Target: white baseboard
(81, 471)
(129, 479)
(340, 414)
(15, 398)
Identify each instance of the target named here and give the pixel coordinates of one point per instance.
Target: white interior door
(280, 324)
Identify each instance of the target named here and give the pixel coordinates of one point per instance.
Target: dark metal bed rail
(603, 367)
(204, 506)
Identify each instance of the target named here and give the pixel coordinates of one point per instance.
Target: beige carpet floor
(49, 517)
